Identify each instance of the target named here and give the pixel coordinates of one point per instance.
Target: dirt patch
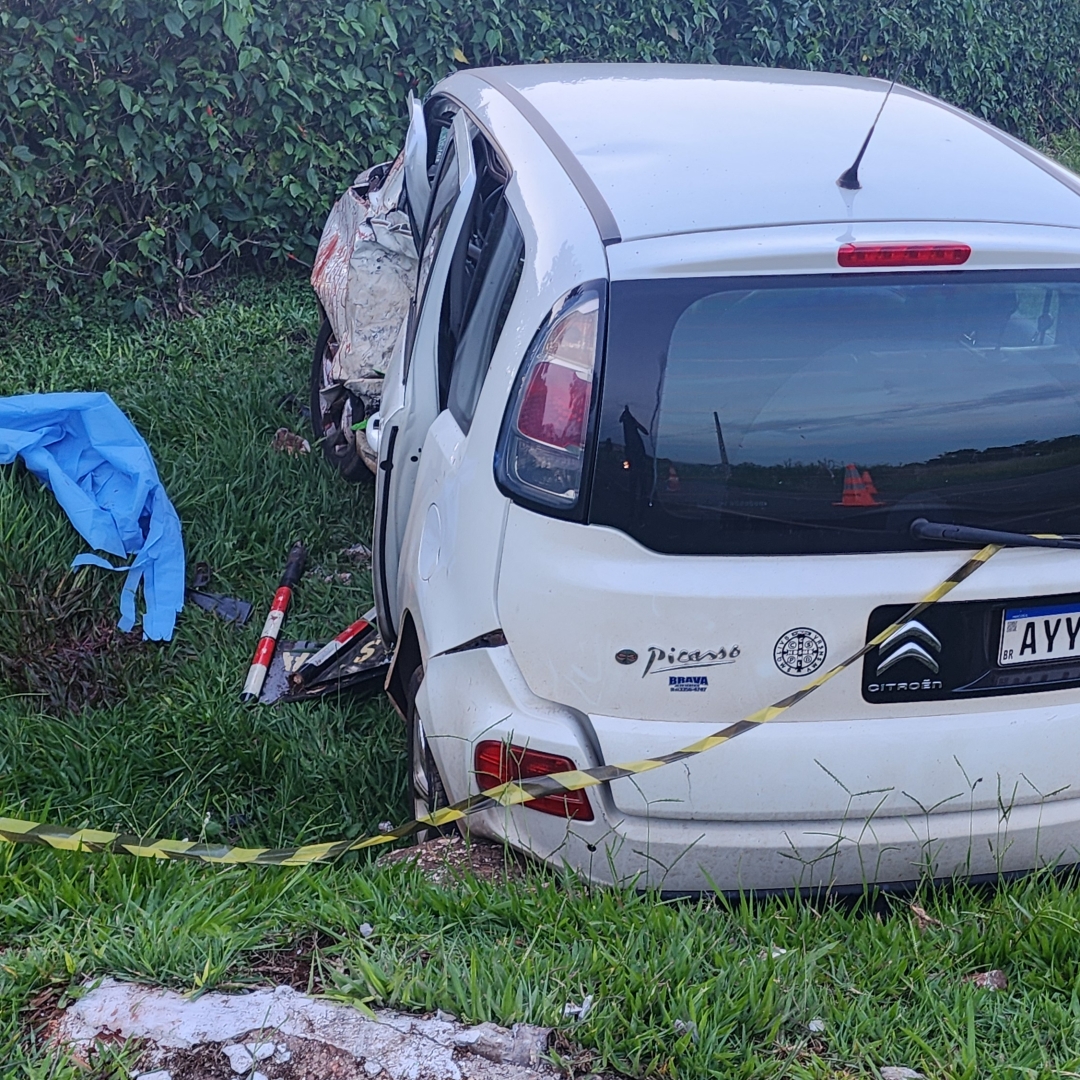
(68, 650)
(299, 965)
(293, 1059)
(449, 858)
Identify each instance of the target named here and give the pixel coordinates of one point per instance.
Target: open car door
(417, 182)
(410, 400)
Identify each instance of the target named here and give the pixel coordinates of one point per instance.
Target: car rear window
(824, 414)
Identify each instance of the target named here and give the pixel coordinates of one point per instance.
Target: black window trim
(507, 296)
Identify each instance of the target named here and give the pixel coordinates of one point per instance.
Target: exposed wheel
(426, 786)
(334, 410)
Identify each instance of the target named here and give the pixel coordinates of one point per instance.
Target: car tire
(425, 784)
(334, 411)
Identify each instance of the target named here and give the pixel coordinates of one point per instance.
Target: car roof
(662, 149)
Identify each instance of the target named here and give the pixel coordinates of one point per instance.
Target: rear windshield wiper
(922, 529)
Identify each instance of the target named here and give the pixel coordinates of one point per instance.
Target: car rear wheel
(334, 411)
(426, 786)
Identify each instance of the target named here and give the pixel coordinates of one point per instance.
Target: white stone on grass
(402, 1047)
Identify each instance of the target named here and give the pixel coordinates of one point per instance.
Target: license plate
(1031, 634)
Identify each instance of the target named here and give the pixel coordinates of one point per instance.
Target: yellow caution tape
(509, 794)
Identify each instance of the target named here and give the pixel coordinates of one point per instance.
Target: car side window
(442, 204)
(480, 287)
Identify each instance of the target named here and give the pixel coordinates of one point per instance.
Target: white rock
(684, 1027)
(240, 1058)
(158, 1074)
(366, 930)
(396, 1045)
(260, 1051)
(259, 1076)
(282, 1054)
(900, 1072)
(817, 1025)
(580, 1011)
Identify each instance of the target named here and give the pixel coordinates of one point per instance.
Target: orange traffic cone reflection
(859, 489)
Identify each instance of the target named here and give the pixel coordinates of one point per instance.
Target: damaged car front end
(364, 275)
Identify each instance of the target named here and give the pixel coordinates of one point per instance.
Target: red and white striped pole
(328, 653)
(256, 676)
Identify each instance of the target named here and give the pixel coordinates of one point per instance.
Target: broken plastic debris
(366, 930)
(817, 1025)
(989, 980)
(360, 553)
(922, 919)
(684, 1027)
(290, 442)
(580, 1011)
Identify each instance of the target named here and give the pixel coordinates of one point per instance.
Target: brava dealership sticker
(800, 651)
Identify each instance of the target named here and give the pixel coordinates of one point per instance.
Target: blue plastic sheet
(100, 469)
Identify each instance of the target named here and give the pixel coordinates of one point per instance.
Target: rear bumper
(481, 694)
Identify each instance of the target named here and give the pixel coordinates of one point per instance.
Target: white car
(678, 377)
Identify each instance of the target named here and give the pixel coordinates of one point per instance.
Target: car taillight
(903, 254)
(542, 446)
(498, 763)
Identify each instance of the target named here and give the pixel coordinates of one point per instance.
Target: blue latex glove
(100, 469)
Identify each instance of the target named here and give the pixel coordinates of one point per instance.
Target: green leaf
(234, 24)
(283, 70)
(23, 153)
(391, 29)
(125, 97)
(195, 172)
(174, 23)
(127, 138)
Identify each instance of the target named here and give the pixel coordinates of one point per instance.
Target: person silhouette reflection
(636, 461)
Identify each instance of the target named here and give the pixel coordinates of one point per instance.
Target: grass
(98, 730)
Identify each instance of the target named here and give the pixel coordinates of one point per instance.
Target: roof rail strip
(590, 194)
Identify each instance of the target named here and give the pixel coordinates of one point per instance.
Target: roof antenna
(849, 178)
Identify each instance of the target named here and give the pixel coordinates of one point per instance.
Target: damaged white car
(686, 391)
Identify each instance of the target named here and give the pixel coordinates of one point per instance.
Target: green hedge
(143, 142)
